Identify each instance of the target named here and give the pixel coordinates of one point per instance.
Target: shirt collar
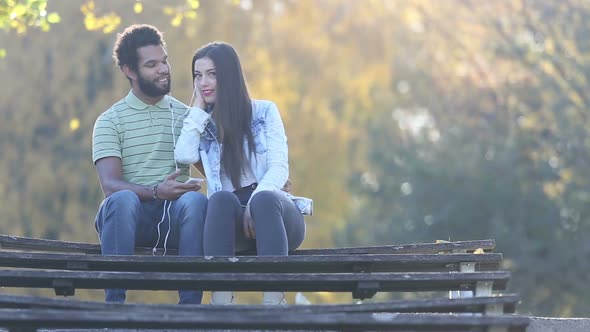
(138, 104)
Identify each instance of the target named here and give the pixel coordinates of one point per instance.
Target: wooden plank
(365, 283)
(285, 264)
(36, 244)
(52, 318)
(507, 302)
(418, 248)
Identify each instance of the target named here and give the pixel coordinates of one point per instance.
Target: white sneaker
(222, 298)
(274, 298)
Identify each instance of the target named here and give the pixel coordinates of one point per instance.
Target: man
(147, 200)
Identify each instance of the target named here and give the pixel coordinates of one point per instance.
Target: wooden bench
(8, 242)
(361, 285)
(504, 304)
(353, 270)
(288, 264)
(363, 271)
(26, 320)
(41, 312)
(356, 273)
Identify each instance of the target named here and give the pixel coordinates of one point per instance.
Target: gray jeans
(279, 225)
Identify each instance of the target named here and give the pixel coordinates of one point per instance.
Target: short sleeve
(105, 139)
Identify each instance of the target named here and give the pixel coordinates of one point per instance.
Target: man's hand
(248, 224)
(171, 189)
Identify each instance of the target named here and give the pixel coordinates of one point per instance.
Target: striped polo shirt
(141, 136)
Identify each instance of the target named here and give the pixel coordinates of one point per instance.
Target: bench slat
(331, 282)
(441, 305)
(257, 320)
(36, 244)
(286, 264)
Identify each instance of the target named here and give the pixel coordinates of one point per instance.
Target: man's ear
(130, 73)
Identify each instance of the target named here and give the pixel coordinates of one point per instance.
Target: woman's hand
(248, 224)
(199, 99)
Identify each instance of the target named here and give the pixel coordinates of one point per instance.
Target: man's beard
(151, 89)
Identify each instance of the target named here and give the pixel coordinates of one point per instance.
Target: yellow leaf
(190, 15)
(548, 67)
(53, 18)
(2, 53)
(575, 98)
(74, 124)
(177, 20)
(90, 22)
(108, 29)
(19, 10)
(549, 46)
(566, 174)
(138, 7)
(110, 23)
(194, 4)
(168, 10)
(553, 189)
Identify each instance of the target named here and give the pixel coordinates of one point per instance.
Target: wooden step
(362, 285)
(26, 319)
(8, 242)
(286, 264)
(506, 303)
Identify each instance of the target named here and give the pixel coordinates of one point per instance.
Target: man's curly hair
(132, 38)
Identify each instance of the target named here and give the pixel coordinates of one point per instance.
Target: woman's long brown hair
(233, 107)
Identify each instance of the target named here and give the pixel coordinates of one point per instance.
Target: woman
(243, 149)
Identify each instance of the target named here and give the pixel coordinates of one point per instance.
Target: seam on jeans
(117, 237)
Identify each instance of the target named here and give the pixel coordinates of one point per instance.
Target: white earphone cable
(166, 202)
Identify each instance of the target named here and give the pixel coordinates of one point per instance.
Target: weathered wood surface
(438, 305)
(26, 319)
(362, 285)
(363, 271)
(285, 264)
(36, 244)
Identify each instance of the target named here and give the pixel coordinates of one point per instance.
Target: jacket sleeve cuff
(198, 119)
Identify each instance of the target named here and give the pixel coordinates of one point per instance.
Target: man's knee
(124, 199)
(122, 205)
(193, 202)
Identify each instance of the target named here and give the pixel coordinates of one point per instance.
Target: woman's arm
(186, 150)
(277, 153)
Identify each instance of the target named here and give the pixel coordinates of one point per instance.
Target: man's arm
(110, 175)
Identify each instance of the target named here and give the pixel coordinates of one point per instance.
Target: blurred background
(408, 120)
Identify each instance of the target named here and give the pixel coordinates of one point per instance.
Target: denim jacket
(198, 141)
